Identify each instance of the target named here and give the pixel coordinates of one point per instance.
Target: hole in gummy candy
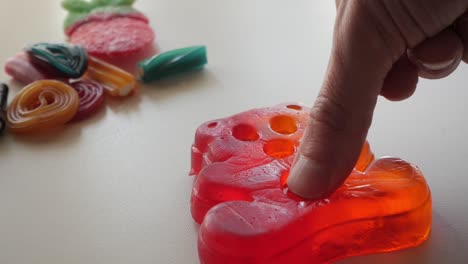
(283, 124)
(49, 99)
(245, 132)
(294, 107)
(279, 148)
(43, 100)
(211, 125)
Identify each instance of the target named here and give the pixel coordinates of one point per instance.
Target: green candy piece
(122, 10)
(64, 60)
(172, 62)
(82, 6)
(78, 6)
(114, 2)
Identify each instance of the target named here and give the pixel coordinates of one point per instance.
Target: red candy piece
(91, 98)
(247, 215)
(103, 16)
(114, 37)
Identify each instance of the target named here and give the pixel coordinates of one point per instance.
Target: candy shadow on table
(126, 104)
(65, 135)
(196, 227)
(132, 64)
(14, 86)
(171, 86)
(444, 245)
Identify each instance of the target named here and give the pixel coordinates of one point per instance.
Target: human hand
(381, 47)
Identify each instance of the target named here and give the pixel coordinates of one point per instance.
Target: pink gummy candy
(21, 69)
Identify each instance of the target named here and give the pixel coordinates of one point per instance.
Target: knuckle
(329, 115)
(330, 119)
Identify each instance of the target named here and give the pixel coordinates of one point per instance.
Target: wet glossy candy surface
(62, 59)
(42, 105)
(91, 98)
(247, 215)
(116, 82)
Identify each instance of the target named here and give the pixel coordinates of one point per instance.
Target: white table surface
(114, 189)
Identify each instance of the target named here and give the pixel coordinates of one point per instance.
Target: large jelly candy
(91, 98)
(3, 104)
(115, 81)
(42, 105)
(109, 29)
(172, 62)
(64, 60)
(21, 69)
(247, 214)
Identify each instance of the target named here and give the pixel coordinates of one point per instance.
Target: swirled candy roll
(42, 105)
(91, 98)
(62, 60)
(116, 82)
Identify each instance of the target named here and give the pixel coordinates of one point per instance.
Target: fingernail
(306, 179)
(438, 66)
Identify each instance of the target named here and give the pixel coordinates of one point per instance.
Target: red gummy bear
(247, 215)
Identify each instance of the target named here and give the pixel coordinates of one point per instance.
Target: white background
(114, 189)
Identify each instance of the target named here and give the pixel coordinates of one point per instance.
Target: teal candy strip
(172, 62)
(68, 60)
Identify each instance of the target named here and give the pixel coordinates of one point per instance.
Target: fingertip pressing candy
(109, 29)
(116, 82)
(91, 96)
(3, 105)
(22, 70)
(42, 105)
(172, 62)
(247, 215)
(63, 60)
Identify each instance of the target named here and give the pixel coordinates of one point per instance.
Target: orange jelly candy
(247, 214)
(41, 105)
(116, 82)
